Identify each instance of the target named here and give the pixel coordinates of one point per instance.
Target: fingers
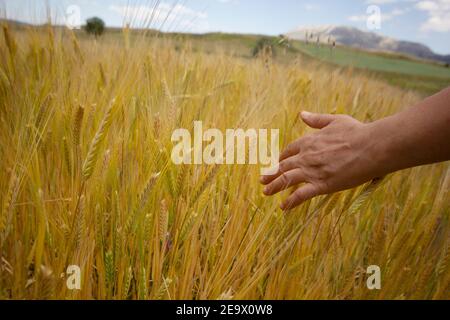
(317, 120)
(302, 194)
(284, 166)
(291, 150)
(314, 120)
(284, 181)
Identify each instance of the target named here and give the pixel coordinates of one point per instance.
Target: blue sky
(426, 21)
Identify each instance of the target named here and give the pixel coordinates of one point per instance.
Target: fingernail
(266, 190)
(306, 114)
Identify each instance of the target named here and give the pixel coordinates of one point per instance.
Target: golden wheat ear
(364, 195)
(77, 123)
(163, 221)
(94, 149)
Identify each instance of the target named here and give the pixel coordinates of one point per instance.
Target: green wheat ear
(94, 149)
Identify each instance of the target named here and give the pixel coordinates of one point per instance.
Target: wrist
(383, 146)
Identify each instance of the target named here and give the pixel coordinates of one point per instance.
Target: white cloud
(438, 15)
(163, 16)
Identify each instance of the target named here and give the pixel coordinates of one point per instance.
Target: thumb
(317, 120)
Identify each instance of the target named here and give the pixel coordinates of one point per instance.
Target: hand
(340, 156)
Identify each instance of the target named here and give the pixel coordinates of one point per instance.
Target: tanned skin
(345, 153)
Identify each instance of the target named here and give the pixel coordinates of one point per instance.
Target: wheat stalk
(81, 224)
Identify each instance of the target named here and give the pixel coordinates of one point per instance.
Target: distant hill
(354, 37)
(14, 23)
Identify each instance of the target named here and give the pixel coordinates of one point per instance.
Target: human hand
(340, 156)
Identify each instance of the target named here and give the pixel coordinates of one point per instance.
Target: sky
(425, 21)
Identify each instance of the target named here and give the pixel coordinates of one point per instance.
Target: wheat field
(86, 179)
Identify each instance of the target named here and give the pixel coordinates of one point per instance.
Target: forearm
(417, 136)
(345, 153)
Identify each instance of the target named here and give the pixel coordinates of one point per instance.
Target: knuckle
(321, 175)
(321, 187)
(319, 158)
(283, 166)
(345, 146)
(298, 195)
(288, 164)
(298, 162)
(310, 159)
(322, 172)
(284, 179)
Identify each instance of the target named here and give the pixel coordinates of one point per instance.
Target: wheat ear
(109, 269)
(8, 205)
(94, 149)
(67, 156)
(362, 198)
(77, 126)
(127, 285)
(163, 221)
